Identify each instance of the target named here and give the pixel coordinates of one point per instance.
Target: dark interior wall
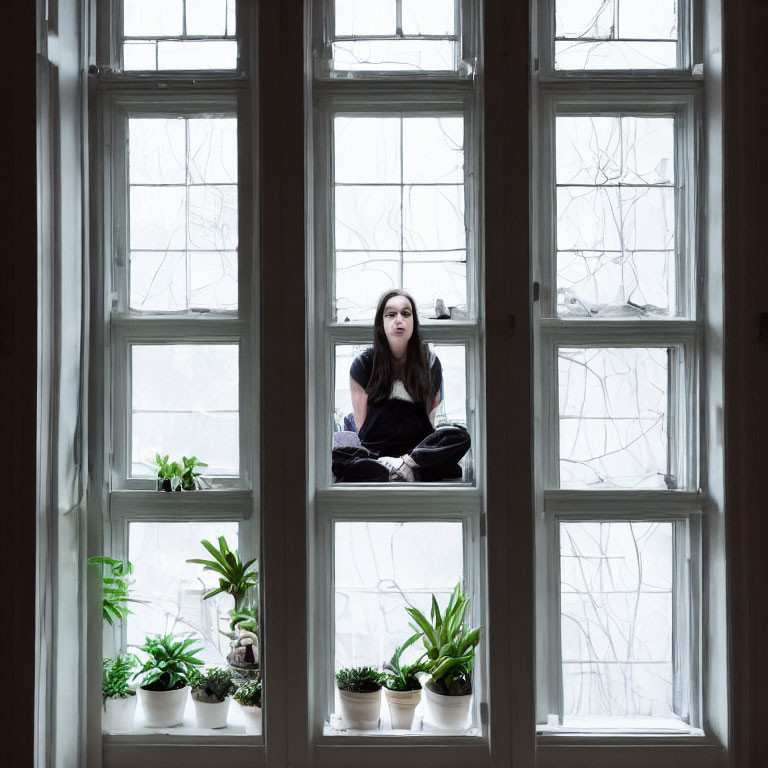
(746, 372)
(18, 343)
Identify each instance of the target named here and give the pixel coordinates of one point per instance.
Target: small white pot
(402, 705)
(252, 718)
(163, 709)
(211, 714)
(360, 711)
(117, 714)
(447, 713)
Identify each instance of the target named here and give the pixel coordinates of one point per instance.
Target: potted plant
(402, 689)
(117, 695)
(211, 693)
(248, 696)
(116, 586)
(360, 692)
(239, 580)
(166, 676)
(168, 474)
(189, 481)
(450, 655)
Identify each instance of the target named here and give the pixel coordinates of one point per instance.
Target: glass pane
(616, 216)
(206, 17)
(183, 213)
(394, 55)
(174, 34)
(379, 569)
(365, 17)
(399, 212)
(615, 34)
(149, 18)
(616, 608)
(185, 403)
(429, 17)
(172, 591)
(613, 416)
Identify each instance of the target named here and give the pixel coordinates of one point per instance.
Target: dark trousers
(437, 457)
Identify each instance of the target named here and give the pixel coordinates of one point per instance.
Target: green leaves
(249, 693)
(179, 474)
(116, 583)
(115, 675)
(214, 683)
(403, 677)
(359, 679)
(171, 662)
(450, 647)
(236, 579)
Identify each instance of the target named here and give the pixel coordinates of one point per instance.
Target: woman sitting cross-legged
(395, 387)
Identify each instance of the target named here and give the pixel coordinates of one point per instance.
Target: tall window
(181, 316)
(619, 349)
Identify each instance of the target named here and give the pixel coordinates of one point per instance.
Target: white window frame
(545, 58)
(673, 93)
(395, 94)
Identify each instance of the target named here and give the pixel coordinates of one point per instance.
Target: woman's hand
(359, 403)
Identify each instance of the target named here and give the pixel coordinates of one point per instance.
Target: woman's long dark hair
(416, 376)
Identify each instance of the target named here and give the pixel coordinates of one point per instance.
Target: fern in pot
(402, 688)
(118, 696)
(211, 692)
(248, 696)
(450, 654)
(166, 674)
(360, 694)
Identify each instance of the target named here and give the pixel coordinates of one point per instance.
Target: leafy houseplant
(450, 652)
(239, 580)
(116, 582)
(211, 692)
(402, 688)
(167, 671)
(118, 697)
(188, 473)
(168, 474)
(360, 694)
(248, 695)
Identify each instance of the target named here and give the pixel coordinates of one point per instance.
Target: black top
(394, 426)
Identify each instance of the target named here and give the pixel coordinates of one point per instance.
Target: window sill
(602, 730)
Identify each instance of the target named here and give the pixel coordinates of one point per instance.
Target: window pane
(394, 55)
(183, 213)
(429, 17)
(172, 593)
(365, 17)
(379, 569)
(399, 212)
(185, 403)
(613, 417)
(615, 216)
(615, 34)
(179, 34)
(616, 605)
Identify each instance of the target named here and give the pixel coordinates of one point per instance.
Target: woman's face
(398, 322)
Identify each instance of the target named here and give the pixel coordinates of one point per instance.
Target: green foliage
(235, 579)
(402, 677)
(170, 664)
(359, 679)
(115, 675)
(116, 583)
(449, 644)
(249, 693)
(168, 470)
(214, 683)
(188, 474)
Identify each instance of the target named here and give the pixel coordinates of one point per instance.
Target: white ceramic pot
(163, 709)
(252, 717)
(360, 711)
(402, 705)
(211, 714)
(447, 713)
(117, 714)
